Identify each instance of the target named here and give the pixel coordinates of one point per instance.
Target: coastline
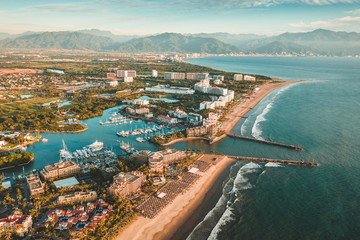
(238, 111)
(173, 216)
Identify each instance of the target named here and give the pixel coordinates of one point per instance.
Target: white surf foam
(256, 129)
(250, 165)
(225, 218)
(271, 164)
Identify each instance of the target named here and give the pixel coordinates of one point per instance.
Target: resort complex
(95, 190)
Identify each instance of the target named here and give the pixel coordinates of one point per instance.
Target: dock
(267, 160)
(297, 148)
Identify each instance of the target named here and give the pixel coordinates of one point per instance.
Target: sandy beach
(175, 214)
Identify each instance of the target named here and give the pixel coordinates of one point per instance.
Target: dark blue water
(290, 202)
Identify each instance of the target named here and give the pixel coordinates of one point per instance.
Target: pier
(297, 148)
(267, 160)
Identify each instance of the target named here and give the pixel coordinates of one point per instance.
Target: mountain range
(318, 42)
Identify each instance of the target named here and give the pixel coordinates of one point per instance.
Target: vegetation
(15, 159)
(167, 138)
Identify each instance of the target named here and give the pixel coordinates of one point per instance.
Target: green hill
(174, 42)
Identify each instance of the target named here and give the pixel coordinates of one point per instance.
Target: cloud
(216, 4)
(84, 7)
(355, 12)
(332, 23)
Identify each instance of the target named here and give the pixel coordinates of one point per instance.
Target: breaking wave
(256, 131)
(223, 212)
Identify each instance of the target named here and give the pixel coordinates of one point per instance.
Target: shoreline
(173, 216)
(238, 111)
(20, 165)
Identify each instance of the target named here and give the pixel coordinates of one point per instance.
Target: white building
(217, 82)
(204, 87)
(218, 77)
(249, 78)
(126, 73)
(141, 102)
(175, 90)
(174, 75)
(166, 119)
(238, 77)
(154, 73)
(113, 83)
(128, 79)
(197, 76)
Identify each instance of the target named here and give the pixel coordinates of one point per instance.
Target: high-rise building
(34, 183)
(126, 73)
(238, 77)
(249, 78)
(174, 75)
(197, 76)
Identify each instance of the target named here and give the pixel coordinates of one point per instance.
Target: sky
(142, 17)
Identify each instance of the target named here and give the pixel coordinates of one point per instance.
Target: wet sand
(166, 224)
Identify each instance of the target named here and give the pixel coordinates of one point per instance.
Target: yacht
(140, 139)
(96, 146)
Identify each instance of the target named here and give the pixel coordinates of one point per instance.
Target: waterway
(46, 153)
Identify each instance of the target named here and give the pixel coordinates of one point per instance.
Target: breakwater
(267, 160)
(297, 148)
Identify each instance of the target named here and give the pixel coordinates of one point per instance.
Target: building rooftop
(60, 165)
(66, 182)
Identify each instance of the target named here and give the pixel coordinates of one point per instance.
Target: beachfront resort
(94, 185)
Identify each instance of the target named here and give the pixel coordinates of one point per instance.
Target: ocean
(289, 202)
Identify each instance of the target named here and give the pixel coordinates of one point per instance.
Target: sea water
(290, 202)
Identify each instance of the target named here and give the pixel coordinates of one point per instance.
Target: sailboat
(65, 155)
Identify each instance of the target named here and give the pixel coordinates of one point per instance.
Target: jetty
(297, 148)
(267, 160)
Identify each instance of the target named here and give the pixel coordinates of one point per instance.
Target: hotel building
(77, 197)
(126, 183)
(34, 183)
(61, 169)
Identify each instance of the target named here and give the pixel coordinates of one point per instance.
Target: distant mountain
(281, 48)
(60, 40)
(234, 39)
(4, 35)
(175, 42)
(117, 38)
(325, 42)
(318, 42)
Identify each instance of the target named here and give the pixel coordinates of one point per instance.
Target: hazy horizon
(148, 17)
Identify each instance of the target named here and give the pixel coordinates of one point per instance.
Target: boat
(101, 123)
(64, 153)
(124, 146)
(96, 146)
(44, 140)
(120, 134)
(140, 139)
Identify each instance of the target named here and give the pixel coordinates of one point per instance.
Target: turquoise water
(46, 153)
(291, 202)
